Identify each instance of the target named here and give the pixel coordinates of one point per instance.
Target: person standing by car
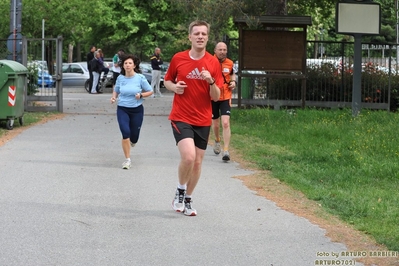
(194, 76)
(222, 107)
(130, 89)
(117, 64)
(96, 66)
(104, 69)
(89, 57)
(156, 62)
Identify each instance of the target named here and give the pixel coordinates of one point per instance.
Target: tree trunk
(70, 53)
(78, 52)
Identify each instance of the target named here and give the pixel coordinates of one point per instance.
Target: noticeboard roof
(275, 21)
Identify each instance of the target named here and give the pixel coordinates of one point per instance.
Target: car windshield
(84, 67)
(64, 68)
(145, 67)
(74, 68)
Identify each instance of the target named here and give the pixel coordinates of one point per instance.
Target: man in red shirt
(194, 76)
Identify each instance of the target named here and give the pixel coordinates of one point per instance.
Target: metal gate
(43, 56)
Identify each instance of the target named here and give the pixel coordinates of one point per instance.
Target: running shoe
(226, 156)
(126, 164)
(188, 209)
(177, 203)
(216, 147)
(132, 144)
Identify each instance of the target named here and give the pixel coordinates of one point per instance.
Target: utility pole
(397, 35)
(14, 40)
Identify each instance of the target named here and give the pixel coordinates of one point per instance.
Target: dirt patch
(290, 200)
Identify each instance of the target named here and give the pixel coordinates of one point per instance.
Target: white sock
(187, 198)
(179, 186)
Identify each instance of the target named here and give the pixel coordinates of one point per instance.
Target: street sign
(14, 43)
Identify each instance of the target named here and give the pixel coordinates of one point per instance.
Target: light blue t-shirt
(128, 87)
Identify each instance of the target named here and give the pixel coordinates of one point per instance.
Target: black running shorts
(183, 130)
(223, 106)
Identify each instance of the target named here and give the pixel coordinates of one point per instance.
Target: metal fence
(328, 75)
(329, 80)
(45, 54)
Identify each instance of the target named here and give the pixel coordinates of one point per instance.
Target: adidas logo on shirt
(195, 74)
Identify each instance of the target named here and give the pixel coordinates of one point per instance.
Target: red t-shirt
(194, 105)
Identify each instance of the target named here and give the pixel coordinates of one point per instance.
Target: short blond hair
(198, 23)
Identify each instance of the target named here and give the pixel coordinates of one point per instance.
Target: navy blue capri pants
(130, 121)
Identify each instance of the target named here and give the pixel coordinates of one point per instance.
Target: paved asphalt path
(65, 200)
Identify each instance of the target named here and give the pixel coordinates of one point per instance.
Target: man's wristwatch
(141, 96)
(210, 84)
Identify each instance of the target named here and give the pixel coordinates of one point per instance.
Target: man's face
(199, 37)
(93, 49)
(158, 52)
(221, 51)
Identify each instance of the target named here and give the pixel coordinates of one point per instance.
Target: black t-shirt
(89, 57)
(95, 65)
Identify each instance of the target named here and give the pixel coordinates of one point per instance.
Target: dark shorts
(130, 121)
(223, 106)
(114, 77)
(183, 130)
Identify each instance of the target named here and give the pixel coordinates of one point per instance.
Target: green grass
(350, 165)
(29, 119)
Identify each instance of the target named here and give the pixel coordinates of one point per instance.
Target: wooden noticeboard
(273, 50)
(274, 44)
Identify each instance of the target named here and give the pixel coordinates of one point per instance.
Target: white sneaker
(188, 209)
(126, 164)
(216, 147)
(177, 203)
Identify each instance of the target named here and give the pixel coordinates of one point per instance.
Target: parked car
(43, 76)
(45, 79)
(75, 74)
(146, 70)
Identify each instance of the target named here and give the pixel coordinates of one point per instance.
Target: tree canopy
(140, 26)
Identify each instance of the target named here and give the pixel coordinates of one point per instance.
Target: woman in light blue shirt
(130, 88)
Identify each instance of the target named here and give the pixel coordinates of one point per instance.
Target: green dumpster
(246, 88)
(12, 92)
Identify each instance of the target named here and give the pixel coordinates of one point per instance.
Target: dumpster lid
(10, 66)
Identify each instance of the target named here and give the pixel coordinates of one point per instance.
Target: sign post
(357, 18)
